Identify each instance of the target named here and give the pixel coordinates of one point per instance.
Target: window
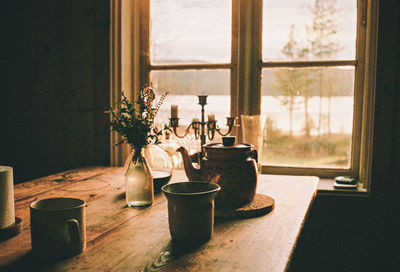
(300, 65)
(309, 67)
(189, 49)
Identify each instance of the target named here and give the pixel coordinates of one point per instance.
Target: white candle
(7, 212)
(211, 117)
(174, 111)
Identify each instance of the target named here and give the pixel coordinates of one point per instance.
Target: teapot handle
(254, 155)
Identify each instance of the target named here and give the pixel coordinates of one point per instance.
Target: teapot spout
(215, 179)
(191, 172)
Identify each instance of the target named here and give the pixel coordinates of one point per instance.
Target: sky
(201, 29)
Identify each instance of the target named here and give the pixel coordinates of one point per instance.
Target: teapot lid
(228, 142)
(228, 150)
(221, 146)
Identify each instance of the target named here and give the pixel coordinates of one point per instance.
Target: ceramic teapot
(232, 166)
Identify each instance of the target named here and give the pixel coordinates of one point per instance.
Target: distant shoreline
(341, 118)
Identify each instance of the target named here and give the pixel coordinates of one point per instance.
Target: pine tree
(324, 44)
(287, 80)
(294, 82)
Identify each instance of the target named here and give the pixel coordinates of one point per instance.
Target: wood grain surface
(129, 239)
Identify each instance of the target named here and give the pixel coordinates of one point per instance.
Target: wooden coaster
(261, 205)
(12, 230)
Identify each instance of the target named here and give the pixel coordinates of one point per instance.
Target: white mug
(58, 227)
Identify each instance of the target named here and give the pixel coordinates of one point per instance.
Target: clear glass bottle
(138, 181)
(160, 164)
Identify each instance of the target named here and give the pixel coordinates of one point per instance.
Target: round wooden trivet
(261, 204)
(12, 230)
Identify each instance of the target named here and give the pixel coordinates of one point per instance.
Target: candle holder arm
(224, 134)
(174, 123)
(230, 122)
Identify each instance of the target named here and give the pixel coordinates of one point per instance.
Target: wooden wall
(55, 86)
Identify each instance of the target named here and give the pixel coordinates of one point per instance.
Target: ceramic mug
(191, 209)
(58, 227)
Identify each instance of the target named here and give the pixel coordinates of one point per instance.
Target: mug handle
(74, 231)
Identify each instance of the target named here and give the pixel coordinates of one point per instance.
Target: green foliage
(135, 125)
(299, 150)
(305, 82)
(322, 34)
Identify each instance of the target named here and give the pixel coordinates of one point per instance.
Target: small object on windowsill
(345, 182)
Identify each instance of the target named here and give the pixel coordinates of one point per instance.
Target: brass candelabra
(202, 129)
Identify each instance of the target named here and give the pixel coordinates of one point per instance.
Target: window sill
(325, 187)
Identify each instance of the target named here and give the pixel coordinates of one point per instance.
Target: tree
(294, 82)
(306, 84)
(324, 44)
(287, 80)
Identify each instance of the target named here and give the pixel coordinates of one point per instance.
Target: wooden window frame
(147, 67)
(358, 64)
(364, 97)
(246, 66)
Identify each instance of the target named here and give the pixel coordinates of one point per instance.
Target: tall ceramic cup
(58, 227)
(191, 209)
(252, 131)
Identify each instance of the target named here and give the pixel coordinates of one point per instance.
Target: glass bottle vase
(138, 181)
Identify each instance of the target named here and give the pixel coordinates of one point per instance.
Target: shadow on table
(173, 251)
(29, 262)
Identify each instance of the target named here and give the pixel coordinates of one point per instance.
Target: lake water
(341, 117)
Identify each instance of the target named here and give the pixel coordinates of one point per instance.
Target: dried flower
(135, 125)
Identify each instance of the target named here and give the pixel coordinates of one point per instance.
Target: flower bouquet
(135, 123)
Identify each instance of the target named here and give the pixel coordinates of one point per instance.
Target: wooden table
(129, 239)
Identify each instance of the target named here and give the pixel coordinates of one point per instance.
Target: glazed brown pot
(232, 166)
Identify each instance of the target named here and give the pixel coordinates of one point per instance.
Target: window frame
(147, 67)
(358, 64)
(246, 66)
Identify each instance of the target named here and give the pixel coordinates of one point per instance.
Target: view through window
(191, 33)
(307, 101)
(307, 76)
